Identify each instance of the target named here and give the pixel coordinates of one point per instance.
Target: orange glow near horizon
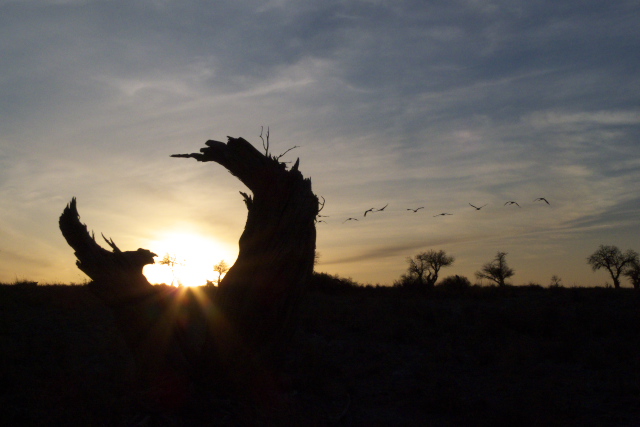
(195, 257)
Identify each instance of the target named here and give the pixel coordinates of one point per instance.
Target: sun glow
(193, 259)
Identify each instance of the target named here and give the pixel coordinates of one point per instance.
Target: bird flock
(415, 210)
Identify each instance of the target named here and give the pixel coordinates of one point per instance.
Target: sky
(407, 103)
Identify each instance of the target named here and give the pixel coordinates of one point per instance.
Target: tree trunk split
(251, 314)
(260, 292)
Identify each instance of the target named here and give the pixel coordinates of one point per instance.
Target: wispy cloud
(408, 103)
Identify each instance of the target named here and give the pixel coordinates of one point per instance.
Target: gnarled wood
(261, 291)
(116, 274)
(234, 336)
(146, 315)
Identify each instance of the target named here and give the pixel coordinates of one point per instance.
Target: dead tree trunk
(259, 295)
(115, 274)
(233, 337)
(145, 315)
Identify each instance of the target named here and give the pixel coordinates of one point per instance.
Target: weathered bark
(115, 274)
(234, 336)
(259, 295)
(147, 316)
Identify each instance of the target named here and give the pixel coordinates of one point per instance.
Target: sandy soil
(517, 356)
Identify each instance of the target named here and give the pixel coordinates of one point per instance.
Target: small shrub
(406, 281)
(533, 285)
(454, 283)
(30, 284)
(332, 283)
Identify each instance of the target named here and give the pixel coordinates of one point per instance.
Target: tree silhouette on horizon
(424, 268)
(611, 258)
(497, 270)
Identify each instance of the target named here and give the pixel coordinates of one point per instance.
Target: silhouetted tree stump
(258, 298)
(230, 340)
(146, 315)
(115, 274)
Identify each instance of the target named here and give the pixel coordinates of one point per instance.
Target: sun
(192, 257)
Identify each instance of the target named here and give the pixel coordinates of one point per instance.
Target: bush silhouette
(331, 283)
(633, 273)
(454, 283)
(497, 270)
(611, 258)
(424, 268)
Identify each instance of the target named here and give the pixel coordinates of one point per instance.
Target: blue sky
(410, 103)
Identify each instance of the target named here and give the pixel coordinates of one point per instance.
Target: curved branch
(260, 292)
(119, 271)
(252, 313)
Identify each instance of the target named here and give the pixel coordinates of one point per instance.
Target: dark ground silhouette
(361, 356)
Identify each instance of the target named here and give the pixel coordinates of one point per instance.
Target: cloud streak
(410, 103)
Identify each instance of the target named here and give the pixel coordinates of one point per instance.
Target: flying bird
(350, 219)
(512, 203)
(442, 214)
(543, 199)
(416, 209)
(478, 208)
(375, 209)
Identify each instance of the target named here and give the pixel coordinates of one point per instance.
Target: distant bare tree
(556, 282)
(611, 258)
(220, 268)
(424, 268)
(633, 273)
(171, 261)
(497, 270)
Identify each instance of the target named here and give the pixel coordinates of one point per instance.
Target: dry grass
(362, 356)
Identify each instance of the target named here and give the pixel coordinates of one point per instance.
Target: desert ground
(361, 356)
